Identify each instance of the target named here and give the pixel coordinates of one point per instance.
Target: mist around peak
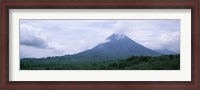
(117, 36)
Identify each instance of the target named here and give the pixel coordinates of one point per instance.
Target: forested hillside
(164, 62)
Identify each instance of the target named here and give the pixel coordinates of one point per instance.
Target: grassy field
(164, 62)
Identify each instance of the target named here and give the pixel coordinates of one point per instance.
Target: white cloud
(37, 39)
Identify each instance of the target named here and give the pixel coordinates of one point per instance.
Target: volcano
(118, 46)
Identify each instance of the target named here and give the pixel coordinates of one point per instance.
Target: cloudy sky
(42, 38)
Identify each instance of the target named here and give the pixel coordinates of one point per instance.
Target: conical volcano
(118, 46)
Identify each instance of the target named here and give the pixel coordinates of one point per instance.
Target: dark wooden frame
(99, 4)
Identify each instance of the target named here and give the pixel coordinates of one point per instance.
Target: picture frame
(99, 4)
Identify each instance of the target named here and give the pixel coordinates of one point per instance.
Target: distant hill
(118, 46)
(166, 51)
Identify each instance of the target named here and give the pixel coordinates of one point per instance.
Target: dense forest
(164, 62)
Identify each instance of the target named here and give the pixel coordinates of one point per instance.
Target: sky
(43, 38)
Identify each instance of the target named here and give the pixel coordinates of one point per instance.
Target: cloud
(34, 42)
(36, 39)
(170, 41)
(32, 36)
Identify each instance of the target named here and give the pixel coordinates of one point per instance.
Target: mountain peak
(119, 46)
(116, 36)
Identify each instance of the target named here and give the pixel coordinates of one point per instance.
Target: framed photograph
(115, 44)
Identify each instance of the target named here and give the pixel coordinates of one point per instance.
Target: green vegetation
(164, 62)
